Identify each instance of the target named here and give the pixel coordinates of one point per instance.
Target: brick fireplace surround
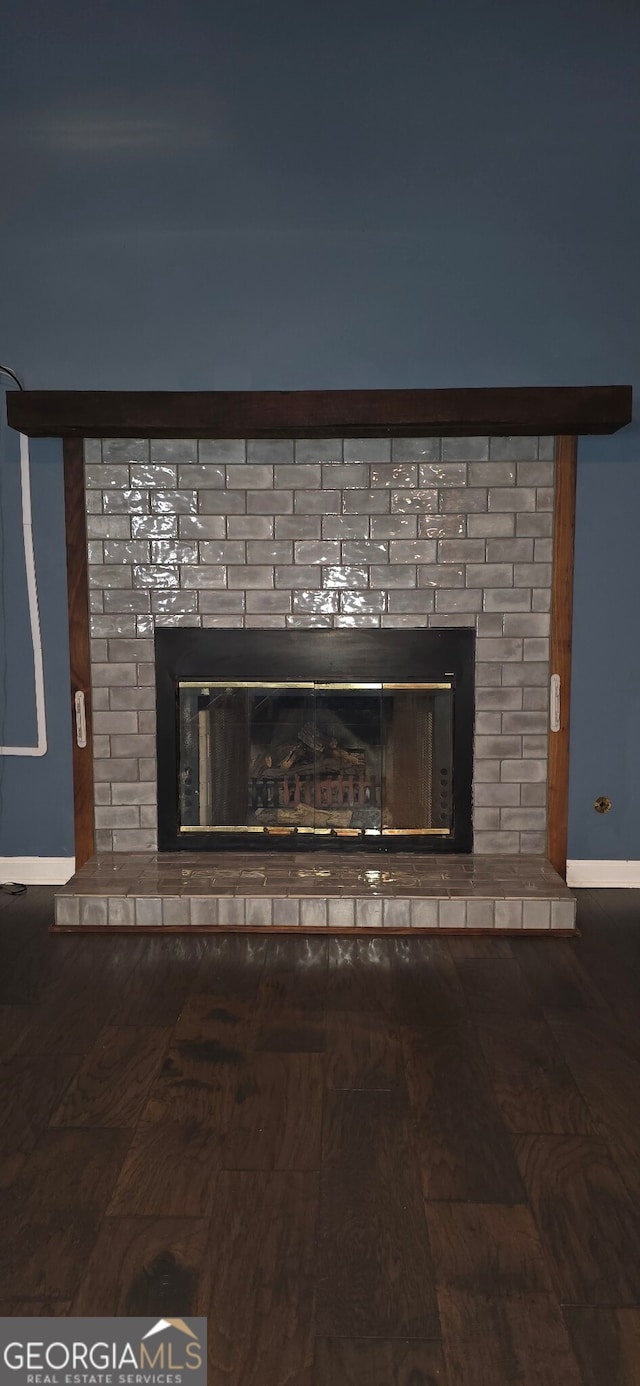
(308, 534)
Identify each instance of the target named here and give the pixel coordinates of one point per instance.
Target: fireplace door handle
(554, 703)
(81, 719)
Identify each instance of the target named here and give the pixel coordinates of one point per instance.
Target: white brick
(255, 478)
(298, 575)
(412, 551)
(514, 498)
(250, 577)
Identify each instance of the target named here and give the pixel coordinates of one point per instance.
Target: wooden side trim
(79, 652)
(561, 628)
(319, 413)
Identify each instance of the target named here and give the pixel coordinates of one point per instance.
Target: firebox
(314, 739)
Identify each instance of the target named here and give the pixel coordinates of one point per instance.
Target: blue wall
(231, 194)
(605, 705)
(36, 817)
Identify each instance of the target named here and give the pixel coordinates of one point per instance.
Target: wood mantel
(318, 413)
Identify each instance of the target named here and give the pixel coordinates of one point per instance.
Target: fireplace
(275, 538)
(269, 516)
(349, 739)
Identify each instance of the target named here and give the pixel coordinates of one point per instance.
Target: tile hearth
(327, 892)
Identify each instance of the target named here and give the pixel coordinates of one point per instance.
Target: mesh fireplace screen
(333, 758)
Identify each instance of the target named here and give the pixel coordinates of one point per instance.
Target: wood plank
(28, 956)
(375, 1276)
(154, 975)
(364, 1050)
(474, 947)
(51, 1213)
(35, 1308)
(275, 1113)
(260, 1265)
(362, 1037)
(10, 1167)
(605, 1062)
(464, 1149)
(554, 974)
(79, 645)
(561, 636)
(231, 963)
(113, 1081)
(13, 1021)
(607, 1344)
(534, 1087)
(30, 1089)
(609, 950)
(144, 1266)
(198, 1077)
(588, 1223)
(359, 974)
(496, 985)
(291, 1000)
(170, 1171)
(318, 413)
(501, 1341)
(193, 1086)
(177, 1147)
(72, 1008)
(379, 1362)
(216, 1028)
(428, 993)
(487, 1249)
(620, 906)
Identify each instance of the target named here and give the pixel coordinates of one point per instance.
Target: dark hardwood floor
(369, 1162)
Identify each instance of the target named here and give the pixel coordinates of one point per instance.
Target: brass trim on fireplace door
(415, 687)
(269, 828)
(328, 687)
(295, 683)
(246, 683)
(416, 832)
(409, 687)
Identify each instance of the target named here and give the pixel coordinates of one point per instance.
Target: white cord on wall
(40, 749)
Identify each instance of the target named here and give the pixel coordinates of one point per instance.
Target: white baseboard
(32, 871)
(613, 874)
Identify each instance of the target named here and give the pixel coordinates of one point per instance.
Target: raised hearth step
(329, 892)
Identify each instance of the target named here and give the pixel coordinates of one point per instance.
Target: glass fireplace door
(340, 759)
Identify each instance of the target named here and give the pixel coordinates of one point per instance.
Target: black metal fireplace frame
(339, 655)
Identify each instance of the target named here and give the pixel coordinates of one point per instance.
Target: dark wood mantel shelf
(318, 413)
